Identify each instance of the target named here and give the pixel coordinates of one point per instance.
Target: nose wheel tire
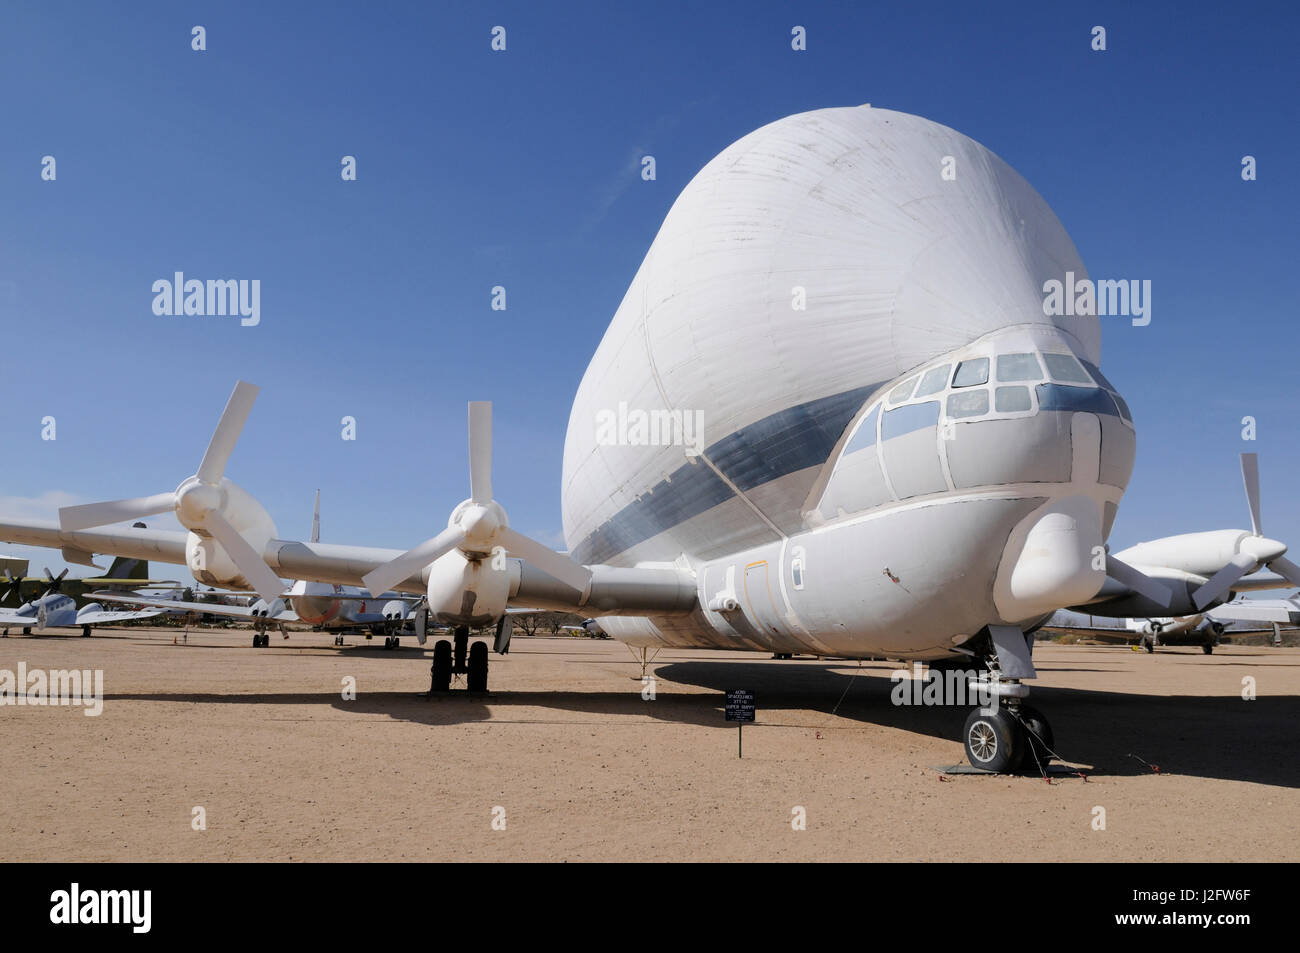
(1039, 740)
(995, 742)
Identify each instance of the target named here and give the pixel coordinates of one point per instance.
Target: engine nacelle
(466, 591)
(1201, 554)
(263, 609)
(204, 555)
(395, 610)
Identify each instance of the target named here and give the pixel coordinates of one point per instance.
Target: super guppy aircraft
(903, 455)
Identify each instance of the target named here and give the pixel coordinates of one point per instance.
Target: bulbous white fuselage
(898, 445)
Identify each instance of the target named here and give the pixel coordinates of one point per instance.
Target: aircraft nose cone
(1263, 549)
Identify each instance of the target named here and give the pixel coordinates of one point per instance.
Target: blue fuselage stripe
(788, 441)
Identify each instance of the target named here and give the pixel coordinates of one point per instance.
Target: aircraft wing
(207, 608)
(8, 617)
(1283, 611)
(109, 616)
(1262, 581)
(630, 590)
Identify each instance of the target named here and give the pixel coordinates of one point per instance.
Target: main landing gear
(458, 657)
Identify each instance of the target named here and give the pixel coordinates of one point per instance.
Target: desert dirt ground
(585, 768)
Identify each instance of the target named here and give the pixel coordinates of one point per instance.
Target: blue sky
(521, 169)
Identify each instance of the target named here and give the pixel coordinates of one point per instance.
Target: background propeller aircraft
(1204, 629)
(920, 465)
(57, 610)
(123, 574)
(324, 606)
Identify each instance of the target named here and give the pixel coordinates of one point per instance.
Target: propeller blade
(480, 451)
(1223, 580)
(385, 577)
(1250, 477)
(232, 421)
(246, 559)
(88, 515)
(1287, 569)
(546, 559)
(1138, 581)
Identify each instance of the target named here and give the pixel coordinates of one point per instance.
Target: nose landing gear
(1006, 734)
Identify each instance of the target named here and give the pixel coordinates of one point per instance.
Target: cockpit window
(1123, 407)
(1019, 367)
(1011, 400)
(902, 391)
(933, 380)
(970, 373)
(1097, 375)
(865, 436)
(970, 404)
(1066, 369)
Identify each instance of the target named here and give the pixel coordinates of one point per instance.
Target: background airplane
(1206, 629)
(54, 610)
(320, 606)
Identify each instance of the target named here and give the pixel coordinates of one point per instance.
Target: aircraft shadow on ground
(1219, 737)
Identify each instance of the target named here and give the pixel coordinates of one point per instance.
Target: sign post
(740, 709)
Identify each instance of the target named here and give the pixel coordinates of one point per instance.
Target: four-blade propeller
(13, 587)
(199, 502)
(478, 526)
(1252, 551)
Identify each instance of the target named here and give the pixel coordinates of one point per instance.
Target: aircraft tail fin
(123, 568)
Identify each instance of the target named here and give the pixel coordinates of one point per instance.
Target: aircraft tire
(1038, 737)
(476, 680)
(994, 742)
(442, 666)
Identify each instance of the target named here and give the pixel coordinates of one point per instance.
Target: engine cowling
(465, 591)
(206, 558)
(1201, 554)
